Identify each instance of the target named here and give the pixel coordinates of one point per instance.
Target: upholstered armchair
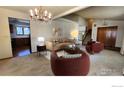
(94, 47)
(70, 66)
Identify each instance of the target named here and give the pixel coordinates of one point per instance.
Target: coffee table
(72, 50)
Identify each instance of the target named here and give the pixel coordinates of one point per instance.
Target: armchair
(70, 66)
(94, 47)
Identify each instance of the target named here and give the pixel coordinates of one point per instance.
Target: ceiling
(98, 12)
(103, 12)
(55, 10)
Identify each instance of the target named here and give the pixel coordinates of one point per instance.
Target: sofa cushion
(60, 53)
(72, 56)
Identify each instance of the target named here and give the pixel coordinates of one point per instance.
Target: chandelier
(40, 14)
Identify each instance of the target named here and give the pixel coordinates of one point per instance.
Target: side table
(41, 49)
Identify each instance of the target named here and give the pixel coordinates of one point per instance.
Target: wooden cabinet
(20, 42)
(107, 35)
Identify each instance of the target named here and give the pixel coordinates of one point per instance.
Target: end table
(41, 49)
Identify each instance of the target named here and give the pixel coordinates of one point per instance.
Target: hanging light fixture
(40, 14)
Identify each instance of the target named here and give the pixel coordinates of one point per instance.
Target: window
(22, 30)
(26, 31)
(19, 30)
(82, 30)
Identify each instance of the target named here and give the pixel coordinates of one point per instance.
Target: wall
(66, 26)
(82, 21)
(76, 18)
(120, 32)
(5, 41)
(39, 29)
(72, 17)
(82, 24)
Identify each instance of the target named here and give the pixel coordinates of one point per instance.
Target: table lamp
(41, 41)
(74, 34)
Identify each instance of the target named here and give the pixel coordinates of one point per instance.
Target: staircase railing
(85, 35)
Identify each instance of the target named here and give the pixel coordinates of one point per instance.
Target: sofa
(70, 66)
(58, 44)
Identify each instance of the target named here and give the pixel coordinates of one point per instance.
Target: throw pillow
(60, 53)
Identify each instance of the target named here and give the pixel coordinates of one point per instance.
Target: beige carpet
(106, 63)
(30, 65)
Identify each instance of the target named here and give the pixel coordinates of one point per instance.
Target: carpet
(31, 65)
(106, 63)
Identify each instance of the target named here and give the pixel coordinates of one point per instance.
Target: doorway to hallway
(20, 36)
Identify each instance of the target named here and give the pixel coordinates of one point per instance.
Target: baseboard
(6, 58)
(113, 48)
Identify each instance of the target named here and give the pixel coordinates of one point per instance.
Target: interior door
(101, 34)
(108, 38)
(107, 35)
(113, 36)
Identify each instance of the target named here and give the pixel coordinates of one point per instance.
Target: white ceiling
(98, 12)
(55, 10)
(103, 12)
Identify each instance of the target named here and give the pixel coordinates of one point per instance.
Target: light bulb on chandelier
(40, 14)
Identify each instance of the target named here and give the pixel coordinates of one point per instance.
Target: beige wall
(120, 32)
(78, 19)
(39, 29)
(5, 41)
(72, 17)
(5, 44)
(66, 26)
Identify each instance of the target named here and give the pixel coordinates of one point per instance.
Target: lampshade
(40, 39)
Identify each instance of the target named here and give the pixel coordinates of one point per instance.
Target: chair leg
(38, 53)
(46, 52)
